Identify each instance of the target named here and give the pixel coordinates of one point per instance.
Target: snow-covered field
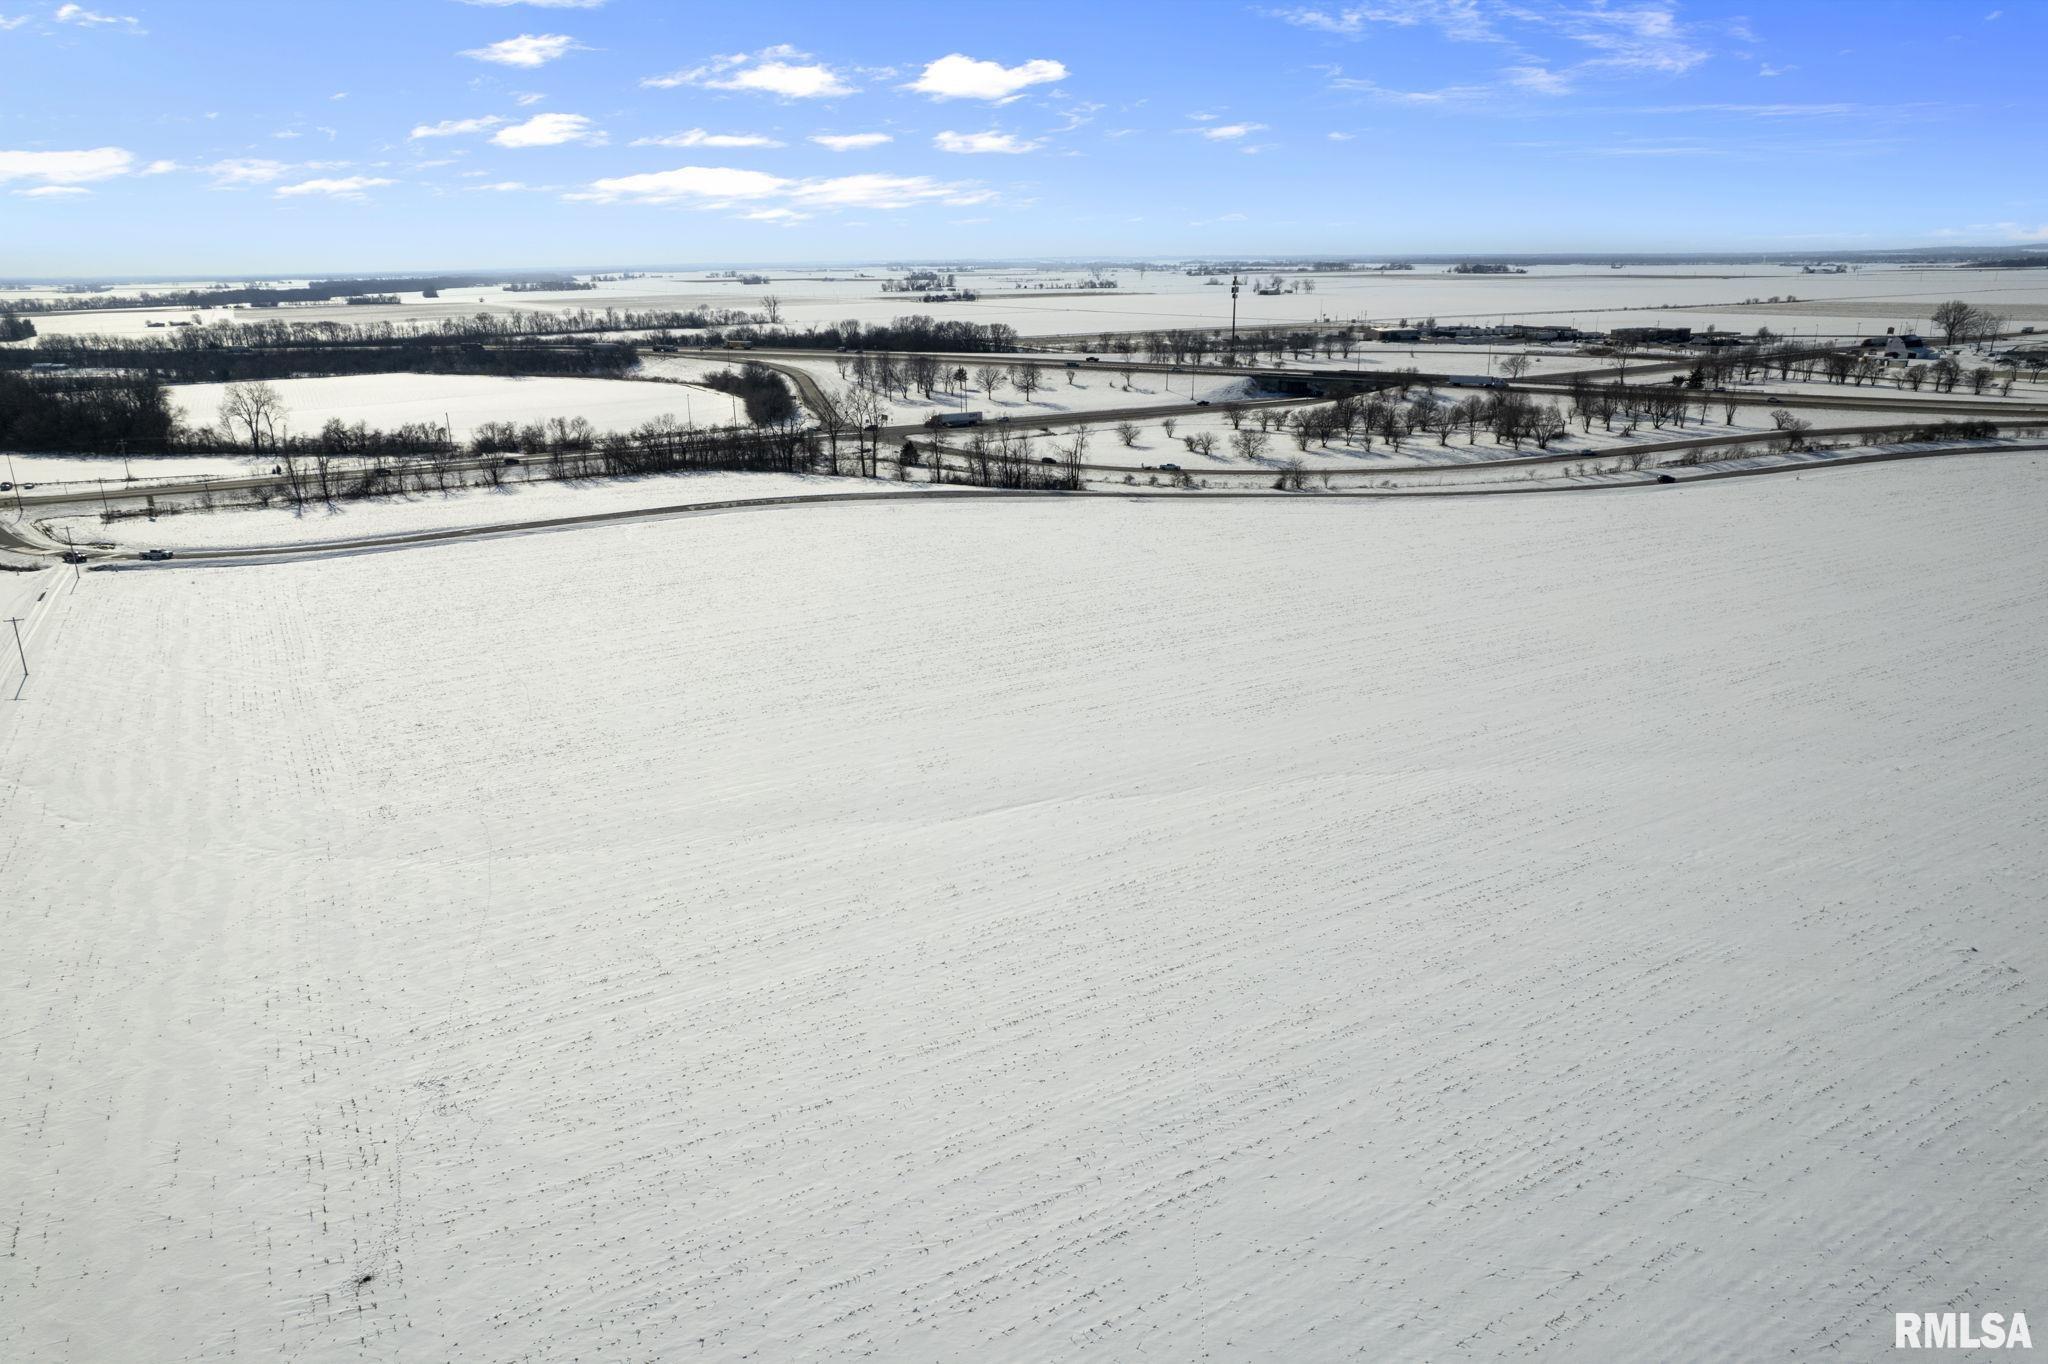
(463, 401)
(1154, 445)
(1865, 301)
(1064, 392)
(1572, 926)
(514, 501)
(47, 471)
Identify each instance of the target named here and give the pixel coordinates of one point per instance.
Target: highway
(1645, 482)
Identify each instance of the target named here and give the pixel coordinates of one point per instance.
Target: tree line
(201, 365)
(914, 332)
(96, 415)
(257, 295)
(765, 393)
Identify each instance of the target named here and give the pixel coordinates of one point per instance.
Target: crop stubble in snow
(1591, 925)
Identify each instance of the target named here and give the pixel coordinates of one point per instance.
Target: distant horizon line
(1280, 260)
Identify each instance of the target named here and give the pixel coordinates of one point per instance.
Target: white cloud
(779, 70)
(66, 168)
(501, 186)
(723, 186)
(528, 49)
(1643, 39)
(457, 127)
(775, 215)
(247, 171)
(1835, 110)
(549, 130)
(16, 22)
(527, 99)
(160, 168)
(347, 187)
(702, 183)
(850, 142)
(1448, 95)
(85, 18)
(1230, 132)
(1539, 80)
(884, 191)
(1340, 137)
(2012, 232)
(697, 137)
(1768, 70)
(955, 76)
(1458, 20)
(977, 143)
(52, 192)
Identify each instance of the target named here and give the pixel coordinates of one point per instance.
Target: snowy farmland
(1581, 925)
(1039, 301)
(464, 401)
(512, 502)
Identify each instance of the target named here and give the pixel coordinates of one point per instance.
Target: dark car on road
(157, 554)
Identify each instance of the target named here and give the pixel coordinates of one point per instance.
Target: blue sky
(238, 136)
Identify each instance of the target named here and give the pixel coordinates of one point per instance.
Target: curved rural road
(415, 539)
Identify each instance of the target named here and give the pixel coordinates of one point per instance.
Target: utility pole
(15, 621)
(1234, 282)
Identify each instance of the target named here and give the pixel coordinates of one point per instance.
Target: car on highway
(1094, 360)
(1779, 401)
(72, 556)
(6, 487)
(1171, 468)
(157, 554)
(1201, 402)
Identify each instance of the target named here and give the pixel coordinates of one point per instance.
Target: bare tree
(253, 407)
(771, 308)
(1127, 432)
(1622, 350)
(1249, 444)
(991, 378)
(1166, 424)
(1026, 380)
(1515, 366)
(1958, 321)
(1795, 427)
